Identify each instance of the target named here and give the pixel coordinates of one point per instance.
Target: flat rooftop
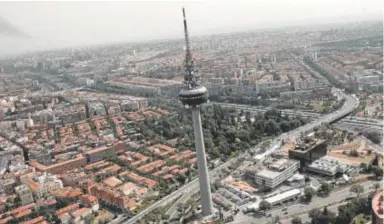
(308, 144)
(283, 196)
(328, 164)
(268, 174)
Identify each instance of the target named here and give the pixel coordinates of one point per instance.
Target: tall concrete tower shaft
(193, 95)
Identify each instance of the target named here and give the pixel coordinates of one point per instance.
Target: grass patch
(362, 219)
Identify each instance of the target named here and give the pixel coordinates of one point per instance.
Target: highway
(374, 124)
(302, 209)
(192, 187)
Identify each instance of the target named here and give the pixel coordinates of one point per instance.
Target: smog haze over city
(70, 24)
(196, 112)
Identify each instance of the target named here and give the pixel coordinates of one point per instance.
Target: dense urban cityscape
(273, 126)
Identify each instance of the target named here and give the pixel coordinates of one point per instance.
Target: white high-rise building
(30, 121)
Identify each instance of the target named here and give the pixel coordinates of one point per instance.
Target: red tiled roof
(35, 220)
(22, 208)
(23, 213)
(5, 220)
(68, 208)
(79, 212)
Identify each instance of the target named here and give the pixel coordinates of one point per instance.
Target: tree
(314, 213)
(378, 172)
(309, 192)
(264, 205)
(354, 153)
(356, 206)
(357, 189)
(375, 160)
(375, 137)
(326, 217)
(325, 189)
(363, 166)
(296, 220)
(285, 126)
(276, 219)
(376, 186)
(265, 145)
(272, 128)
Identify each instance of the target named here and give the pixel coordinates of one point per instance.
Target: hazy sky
(57, 24)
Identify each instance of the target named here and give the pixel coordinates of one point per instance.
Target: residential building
(61, 167)
(80, 214)
(100, 153)
(7, 185)
(25, 194)
(43, 184)
(111, 197)
(90, 201)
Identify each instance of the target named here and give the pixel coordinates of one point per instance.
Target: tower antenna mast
(191, 77)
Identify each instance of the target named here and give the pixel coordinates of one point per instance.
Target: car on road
(285, 213)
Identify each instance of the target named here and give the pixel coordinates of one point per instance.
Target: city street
(317, 202)
(305, 217)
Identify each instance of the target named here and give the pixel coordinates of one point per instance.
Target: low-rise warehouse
(283, 197)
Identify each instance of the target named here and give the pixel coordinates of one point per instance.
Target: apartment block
(98, 154)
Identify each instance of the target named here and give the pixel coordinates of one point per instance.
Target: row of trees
(346, 212)
(373, 167)
(254, 101)
(375, 137)
(323, 72)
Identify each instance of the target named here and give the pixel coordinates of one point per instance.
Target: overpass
(367, 123)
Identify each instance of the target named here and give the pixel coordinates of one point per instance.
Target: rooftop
(113, 182)
(282, 196)
(308, 144)
(268, 174)
(329, 164)
(80, 212)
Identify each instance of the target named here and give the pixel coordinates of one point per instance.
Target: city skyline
(127, 133)
(73, 24)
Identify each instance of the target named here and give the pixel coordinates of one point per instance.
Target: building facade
(100, 154)
(273, 178)
(43, 184)
(25, 194)
(307, 153)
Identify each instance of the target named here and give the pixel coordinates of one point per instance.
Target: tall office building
(193, 95)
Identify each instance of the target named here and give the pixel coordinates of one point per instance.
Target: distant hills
(9, 30)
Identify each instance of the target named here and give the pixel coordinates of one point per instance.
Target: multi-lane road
(193, 187)
(302, 209)
(373, 124)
